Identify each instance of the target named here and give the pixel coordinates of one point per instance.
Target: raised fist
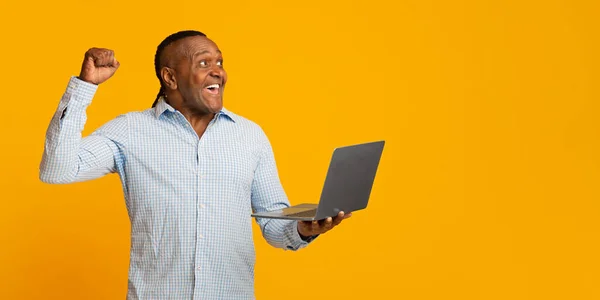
(98, 65)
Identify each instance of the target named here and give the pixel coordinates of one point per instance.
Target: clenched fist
(98, 65)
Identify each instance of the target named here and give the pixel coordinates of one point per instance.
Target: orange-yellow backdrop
(489, 183)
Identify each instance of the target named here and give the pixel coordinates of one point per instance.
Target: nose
(216, 72)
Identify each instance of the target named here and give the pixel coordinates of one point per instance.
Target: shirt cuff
(79, 92)
(296, 242)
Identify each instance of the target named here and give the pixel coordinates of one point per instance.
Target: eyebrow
(205, 52)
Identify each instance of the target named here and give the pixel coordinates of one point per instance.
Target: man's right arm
(69, 158)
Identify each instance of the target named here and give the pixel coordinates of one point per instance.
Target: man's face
(200, 74)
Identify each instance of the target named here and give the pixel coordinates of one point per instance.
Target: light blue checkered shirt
(189, 200)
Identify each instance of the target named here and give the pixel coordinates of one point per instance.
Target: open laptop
(347, 186)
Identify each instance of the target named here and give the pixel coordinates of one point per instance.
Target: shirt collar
(162, 106)
(231, 116)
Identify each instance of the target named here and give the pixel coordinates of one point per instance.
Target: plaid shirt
(189, 200)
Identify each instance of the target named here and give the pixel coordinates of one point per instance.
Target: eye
(203, 63)
(220, 63)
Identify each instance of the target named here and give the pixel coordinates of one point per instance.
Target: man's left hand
(309, 228)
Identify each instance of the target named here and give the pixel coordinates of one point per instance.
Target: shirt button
(200, 236)
(199, 268)
(202, 205)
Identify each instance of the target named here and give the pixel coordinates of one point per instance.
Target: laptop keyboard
(304, 214)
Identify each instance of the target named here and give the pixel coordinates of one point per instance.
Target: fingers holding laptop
(330, 223)
(310, 228)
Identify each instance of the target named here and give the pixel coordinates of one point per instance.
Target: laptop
(347, 185)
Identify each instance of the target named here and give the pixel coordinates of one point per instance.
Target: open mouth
(213, 89)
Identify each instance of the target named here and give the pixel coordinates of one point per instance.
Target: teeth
(216, 86)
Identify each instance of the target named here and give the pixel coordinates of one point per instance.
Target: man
(192, 172)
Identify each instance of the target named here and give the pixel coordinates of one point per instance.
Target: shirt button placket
(200, 216)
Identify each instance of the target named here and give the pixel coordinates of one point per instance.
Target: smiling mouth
(213, 89)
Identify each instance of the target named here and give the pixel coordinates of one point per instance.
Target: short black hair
(159, 50)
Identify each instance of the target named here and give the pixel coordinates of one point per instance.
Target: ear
(168, 77)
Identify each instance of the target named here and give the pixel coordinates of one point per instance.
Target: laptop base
(296, 212)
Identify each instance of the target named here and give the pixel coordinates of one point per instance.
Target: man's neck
(198, 120)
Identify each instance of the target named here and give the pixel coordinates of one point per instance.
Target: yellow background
(487, 189)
